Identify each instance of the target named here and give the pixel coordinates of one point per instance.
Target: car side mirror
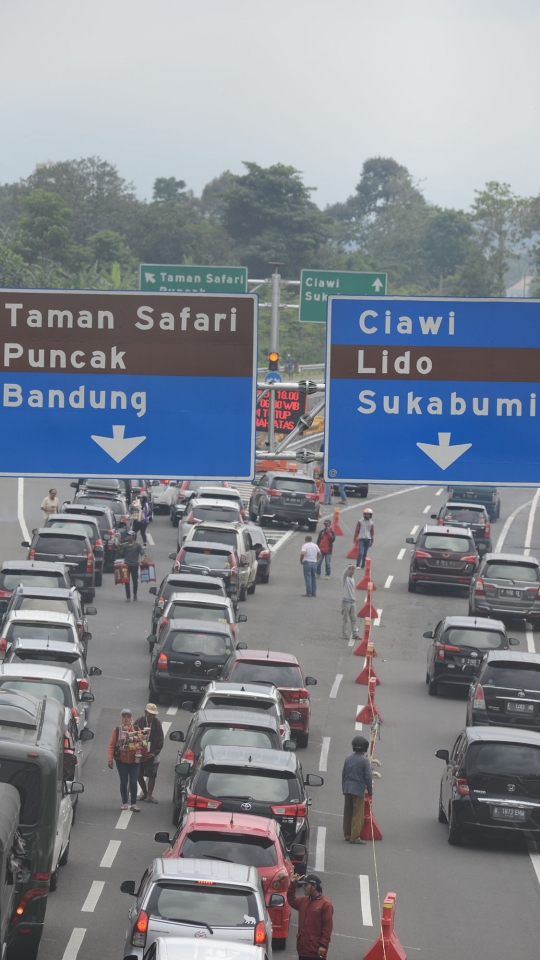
(241, 645)
(87, 696)
(177, 736)
(153, 591)
(172, 556)
(75, 787)
(409, 539)
(183, 769)
(91, 611)
(213, 673)
(151, 639)
(188, 705)
(241, 618)
(95, 672)
(289, 745)
(162, 837)
(443, 755)
(25, 543)
(276, 900)
(128, 886)
(313, 780)
(434, 516)
(298, 852)
(513, 642)
(295, 716)
(428, 634)
(310, 681)
(34, 531)
(86, 734)
(87, 636)
(25, 870)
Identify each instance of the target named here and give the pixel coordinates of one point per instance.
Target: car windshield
(26, 778)
(11, 579)
(233, 737)
(44, 603)
(500, 570)
(206, 558)
(88, 528)
(214, 905)
(280, 674)
(295, 484)
(201, 644)
(249, 850)
(243, 703)
(517, 675)
(480, 639)
(210, 512)
(273, 788)
(218, 536)
(40, 631)
(504, 759)
(195, 611)
(60, 546)
(435, 541)
(464, 515)
(38, 688)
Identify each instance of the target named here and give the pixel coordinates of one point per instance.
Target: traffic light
(273, 361)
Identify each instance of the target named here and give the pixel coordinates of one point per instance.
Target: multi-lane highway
(479, 900)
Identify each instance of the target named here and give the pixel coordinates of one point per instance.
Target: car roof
(209, 544)
(447, 530)
(37, 671)
(85, 508)
(218, 525)
(192, 578)
(199, 626)
(248, 718)
(503, 734)
(241, 823)
(217, 870)
(250, 758)
(47, 616)
(73, 517)
(41, 566)
(222, 688)
(269, 656)
(481, 507)
(522, 656)
(213, 502)
(54, 646)
(512, 558)
(58, 593)
(475, 623)
(200, 598)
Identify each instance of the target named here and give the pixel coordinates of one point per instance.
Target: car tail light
(470, 558)
(280, 881)
(5, 593)
(289, 810)
(462, 786)
(312, 496)
(264, 555)
(138, 937)
(479, 588)
(75, 713)
(275, 493)
(89, 560)
(441, 521)
(201, 803)
(3, 645)
(259, 937)
(98, 544)
(188, 756)
(479, 702)
(161, 603)
(422, 553)
(32, 553)
(299, 696)
(163, 662)
(162, 623)
(192, 519)
(487, 529)
(111, 533)
(25, 900)
(532, 593)
(83, 684)
(441, 647)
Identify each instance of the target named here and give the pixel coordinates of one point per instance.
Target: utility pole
(274, 348)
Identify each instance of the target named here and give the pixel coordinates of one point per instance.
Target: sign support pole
(274, 347)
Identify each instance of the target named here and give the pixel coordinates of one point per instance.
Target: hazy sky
(189, 89)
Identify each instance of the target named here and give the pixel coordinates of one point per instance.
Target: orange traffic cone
(368, 610)
(335, 524)
(361, 649)
(387, 945)
(367, 671)
(353, 552)
(370, 711)
(370, 829)
(363, 584)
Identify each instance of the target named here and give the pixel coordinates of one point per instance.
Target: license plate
(503, 592)
(513, 707)
(508, 813)
(465, 662)
(194, 687)
(447, 563)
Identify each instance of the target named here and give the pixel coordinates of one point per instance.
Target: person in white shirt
(50, 504)
(309, 555)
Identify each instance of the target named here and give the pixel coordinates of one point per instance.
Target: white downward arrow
(442, 453)
(377, 284)
(150, 277)
(118, 446)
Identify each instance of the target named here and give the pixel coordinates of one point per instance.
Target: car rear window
(434, 541)
(11, 579)
(38, 688)
(216, 905)
(249, 850)
(504, 759)
(208, 587)
(294, 484)
(520, 676)
(499, 570)
(270, 788)
(195, 611)
(243, 703)
(481, 639)
(88, 528)
(50, 657)
(60, 546)
(26, 778)
(44, 603)
(464, 515)
(202, 644)
(221, 514)
(206, 558)
(39, 631)
(233, 737)
(279, 674)
(218, 536)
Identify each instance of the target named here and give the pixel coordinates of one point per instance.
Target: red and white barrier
(371, 710)
(387, 945)
(371, 829)
(361, 649)
(368, 670)
(363, 584)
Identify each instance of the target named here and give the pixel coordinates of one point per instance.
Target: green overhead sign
(192, 279)
(317, 285)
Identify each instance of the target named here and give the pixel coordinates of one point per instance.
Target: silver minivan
(201, 606)
(197, 898)
(506, 586)
(189, 948)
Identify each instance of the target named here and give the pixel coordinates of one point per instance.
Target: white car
(162, 494)
(189, 948)
(41, 625)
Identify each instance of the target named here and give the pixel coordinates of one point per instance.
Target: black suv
(506, 691)
(442, 555)
(181, 583)
(286, 497)
(265, 783)
(457, 647)
(31, 573)
(491, 783)
(186, 656)
(470, 516)
(72, 521)
(108, 527)
(71, 547)
(488, 496)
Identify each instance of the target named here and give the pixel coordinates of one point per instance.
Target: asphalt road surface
(479, 900)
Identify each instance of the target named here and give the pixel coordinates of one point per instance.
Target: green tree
(472, 278)
(13, 269)
(169, 190)
(44, 228)
(502, 220)
(213, 197)
(446, 241)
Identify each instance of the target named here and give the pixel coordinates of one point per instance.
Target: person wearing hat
(325, 543)
(356, 779)
(132, 552)
(128, 770)
(365, 535)
(315, 917)
(149, 721)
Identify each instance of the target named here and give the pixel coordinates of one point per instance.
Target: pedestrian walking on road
(348, 603)
(315, 917)
(128, 769)
(141, 524)
(132, 552)
(325, 543)
(356, 779)
(342, 493)
(309, 555)
(50, 504)
(365, 534)
(149, 721)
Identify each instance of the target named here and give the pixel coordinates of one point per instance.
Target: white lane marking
(124, 819)
(150, 539)
(365, 901)
(508, 523)
(377, 621)
(532, 847)
(402, 553)
(319, 849)
(389, 581)
(413, 531)
(96, 890)
(110, 853)
(172, 711)
(427, 509)
(166, 725)
(74, 943)
(385, 496)
(530, 639)
(323, 759)
(20, 509)
(335, 686)
(352, 641)
(439, 491)
(277, 546)
(530, 524)
(358, 725)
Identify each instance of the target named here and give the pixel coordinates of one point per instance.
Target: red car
(283, 670)
(242, 838)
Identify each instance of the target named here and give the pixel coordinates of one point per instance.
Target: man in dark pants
(149, 769)
(315, 917)
(356, 778)
(325, 543)
(131, 552)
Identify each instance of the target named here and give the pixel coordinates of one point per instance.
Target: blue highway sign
(127, 383)
(432, 390)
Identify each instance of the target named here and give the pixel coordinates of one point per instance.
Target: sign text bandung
(192, 279)
(317, 285)
(432, 390)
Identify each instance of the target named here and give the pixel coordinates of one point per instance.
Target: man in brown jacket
(149, 720)
(315, 917)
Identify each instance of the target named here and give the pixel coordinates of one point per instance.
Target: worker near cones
(325, 543)
(356, 779)
(348, 603)
(315, 917)
(365, 534)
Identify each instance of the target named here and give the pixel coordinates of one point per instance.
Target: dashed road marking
(319, 849)
(402, 553)
(413, 531)
(274, 547)
(96, 890)
(166, 725)
(365, 901)
(351, 641)
(439, 491)
(323, 759)
(20, 509)
(427, 509)
(377, 621)
(150, 539)
(532, 847)
(110, 853)
(335, 686)
(530, 639)
(388, 582)
(358, 725)
(74, 943)
(124, 819)
(172, 711)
